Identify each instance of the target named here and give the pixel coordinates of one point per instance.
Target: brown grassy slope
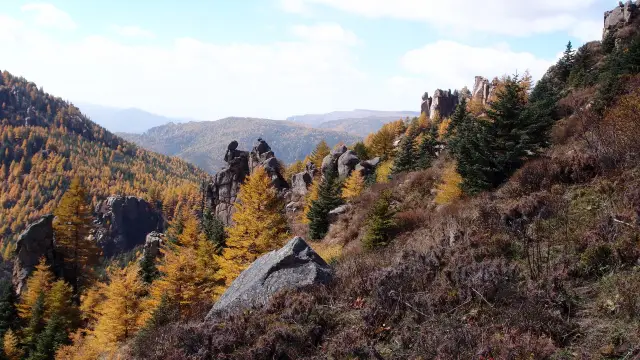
(546, 267)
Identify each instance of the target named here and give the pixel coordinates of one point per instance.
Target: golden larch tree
(72, 228)
(39, 282)
(354, 186)
(312, 195)
(319, 153)
(259, 226)
(11, 346)
(449, 189)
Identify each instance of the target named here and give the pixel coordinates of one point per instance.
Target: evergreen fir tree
(328, 199)
(380, 223)
(52, 337)
(72, 227)
(214, 230)
(361, 150)
(428, 148)
(8, 310)
(458, 117)
(566, 62)
(148, 269)
(35, 325)
(406, 159)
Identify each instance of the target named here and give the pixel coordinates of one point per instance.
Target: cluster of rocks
(621, 16)
(123, 222)
(221, 192)
(443, 103)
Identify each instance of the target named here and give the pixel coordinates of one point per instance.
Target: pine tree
(353, 186)
(72, 228)
(361, 150)
(319, 153)
(214, 230)
(259, 226)
(380, 223)
(428, 148)
(406, 158)
(565, 65)
(11, 346)
(52, 337)
(8, 310)
(328, 199)
(459, 115)
(36, 324)
(148, 269)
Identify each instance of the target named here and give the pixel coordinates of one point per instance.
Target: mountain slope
(45, 142)
(204, 143)
(317, 119)
(358, 126)
(130, 120)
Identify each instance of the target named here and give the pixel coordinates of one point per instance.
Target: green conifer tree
(428, 148)
(380, 223)
(35, 325)
(8, 311)
(406, 160)
(213, 229)
(329, 198)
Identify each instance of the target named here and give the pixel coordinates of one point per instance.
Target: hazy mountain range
(204, 143)
(130, 120)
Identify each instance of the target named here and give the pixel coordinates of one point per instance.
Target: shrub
(380, 223)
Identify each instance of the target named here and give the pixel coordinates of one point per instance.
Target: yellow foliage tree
(319, 153)
(72, 227)
(11, 346)
(443, 127)
(312, 196)
(121, 314)
(58, 303)
(383, 171)
(295, 168)
(259, 226)
(354, 186)
(449, 190)
(39, 282)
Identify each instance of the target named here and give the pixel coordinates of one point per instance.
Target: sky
(209, 59)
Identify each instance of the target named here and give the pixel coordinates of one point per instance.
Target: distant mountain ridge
(317, 119)
(131, 120)
(204, 143)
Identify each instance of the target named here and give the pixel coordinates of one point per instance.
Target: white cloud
(132, 31)
(48, 15)
(451, 65)
(293, 6)
(329, 33)
(504, 17)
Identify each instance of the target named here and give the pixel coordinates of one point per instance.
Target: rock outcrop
(347, 163)
(35, 242)
(337, 212)
(152, 244)
(221, 192)
(622, 15)
(482, 90)
(123, 222)
(368, 167)
(293, 266)
(443, 103)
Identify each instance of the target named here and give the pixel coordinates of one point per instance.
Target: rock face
(331, 161)
(619, 17)
(368, 167)
(347, 163)
(443, 103)
(340, 210)
(123, 222)
(293, 266)
(35, 242)
(221, 192)
(152, 244)
(481, 90)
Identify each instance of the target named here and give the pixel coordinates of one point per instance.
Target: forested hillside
(201, 142)
(45, 142)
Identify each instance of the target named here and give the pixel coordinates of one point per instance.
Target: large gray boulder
(331, 161)
(35, 242)
(293, 266)
(123, 222)
(152, 244)
(346, 163)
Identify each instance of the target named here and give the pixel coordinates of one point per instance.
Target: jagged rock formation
(152, 244)
(619, 17)
(293, 266)
(123, 222)
(443, 103)
(221, 192)
(35, 242)
(331, 161)
(482, 90)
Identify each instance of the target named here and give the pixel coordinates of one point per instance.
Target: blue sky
(208, 59)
